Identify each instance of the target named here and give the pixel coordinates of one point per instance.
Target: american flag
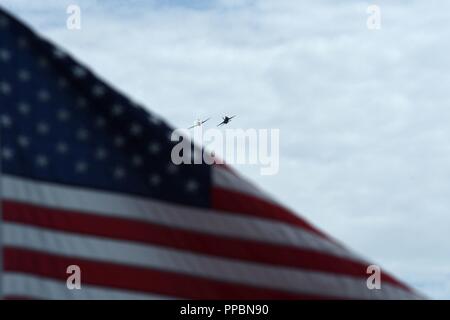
(87, 180)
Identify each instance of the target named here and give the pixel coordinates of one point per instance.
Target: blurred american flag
(87, 180)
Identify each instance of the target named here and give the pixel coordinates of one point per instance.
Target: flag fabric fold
(87, 180)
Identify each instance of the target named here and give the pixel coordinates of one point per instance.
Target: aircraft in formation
(199, 123)
(226, 120)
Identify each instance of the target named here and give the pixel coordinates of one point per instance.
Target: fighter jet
(198, 123)
(226, 120)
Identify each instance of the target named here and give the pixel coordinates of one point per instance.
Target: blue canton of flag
(61, 124)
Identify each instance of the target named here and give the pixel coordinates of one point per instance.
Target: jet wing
(205, 120)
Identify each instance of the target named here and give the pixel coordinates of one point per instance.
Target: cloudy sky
(363, 115)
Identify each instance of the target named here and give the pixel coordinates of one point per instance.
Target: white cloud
(363, 114)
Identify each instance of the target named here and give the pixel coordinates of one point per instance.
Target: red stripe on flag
(136, 279)
(245, 204)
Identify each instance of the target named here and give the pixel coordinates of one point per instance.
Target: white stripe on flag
(228, 180)
(28, 286)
